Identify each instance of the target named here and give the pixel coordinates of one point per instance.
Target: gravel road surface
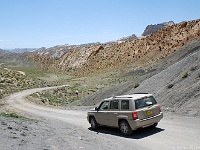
(61, 129)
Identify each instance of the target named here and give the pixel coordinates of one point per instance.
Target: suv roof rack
(140, 93)
(123, 96)
(127, 96)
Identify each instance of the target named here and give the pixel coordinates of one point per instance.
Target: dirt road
(69, 129)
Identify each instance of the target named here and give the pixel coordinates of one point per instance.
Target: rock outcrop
(153, 28)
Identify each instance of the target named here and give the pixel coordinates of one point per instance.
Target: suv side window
(125, 104)
(114, 104)
(104, 105)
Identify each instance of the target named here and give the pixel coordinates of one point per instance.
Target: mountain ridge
(98, 57)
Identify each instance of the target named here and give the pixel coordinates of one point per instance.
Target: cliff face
(153, 28)
(99, 57)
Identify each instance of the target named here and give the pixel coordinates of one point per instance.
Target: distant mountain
(60, 50)
(1, 50)
(153, 28)
(21, 50)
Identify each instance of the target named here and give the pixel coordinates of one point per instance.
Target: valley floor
(53, 129)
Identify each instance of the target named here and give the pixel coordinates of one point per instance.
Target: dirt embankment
(175, 82)
(177, 88)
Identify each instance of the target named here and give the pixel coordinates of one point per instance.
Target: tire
(154, 125)
(94, 124)
(125, 128)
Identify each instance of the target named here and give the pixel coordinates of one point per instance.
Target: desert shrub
(170, 86)
(185, 75)
(13, 115)
(136, 85)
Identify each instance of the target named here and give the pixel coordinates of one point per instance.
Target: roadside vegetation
(14, 115)
(76, 89)
(18, 78)
(13, 81)
(62, 96)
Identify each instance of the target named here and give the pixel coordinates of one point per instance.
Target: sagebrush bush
(185, 75)
(136, 85)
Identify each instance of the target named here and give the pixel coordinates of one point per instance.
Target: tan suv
(126, 112)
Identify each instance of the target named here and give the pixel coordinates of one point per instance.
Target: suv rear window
(140, 103)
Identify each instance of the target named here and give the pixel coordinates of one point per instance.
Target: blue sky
(47, 23)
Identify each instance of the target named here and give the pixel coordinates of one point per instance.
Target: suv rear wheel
(94, 124)
(154, 125)
(125, 128)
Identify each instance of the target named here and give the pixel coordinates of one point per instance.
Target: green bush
(13, 115)
(185, 75)
(136, 85)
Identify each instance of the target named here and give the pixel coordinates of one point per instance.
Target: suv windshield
(143, 102)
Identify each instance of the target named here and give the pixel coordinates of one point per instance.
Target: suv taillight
(134, 115)
(159, 108)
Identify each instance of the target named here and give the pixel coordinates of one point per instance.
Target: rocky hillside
(152, 48)
(98, 57)
(13, 80)
(59, 50)
(174, 81)
(153, 28)
(177, 87)
(14, 59)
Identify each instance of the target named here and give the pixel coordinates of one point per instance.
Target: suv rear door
(146, 107)
(113, 113)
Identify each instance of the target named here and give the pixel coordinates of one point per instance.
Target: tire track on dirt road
(18, 101)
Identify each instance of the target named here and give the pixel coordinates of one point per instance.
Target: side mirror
(96, 108)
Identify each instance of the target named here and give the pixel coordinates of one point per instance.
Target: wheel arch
(122, 119)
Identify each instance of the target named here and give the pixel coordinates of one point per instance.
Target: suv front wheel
(94, 124)
(125, 128)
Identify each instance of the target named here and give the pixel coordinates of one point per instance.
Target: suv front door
(101, 115)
